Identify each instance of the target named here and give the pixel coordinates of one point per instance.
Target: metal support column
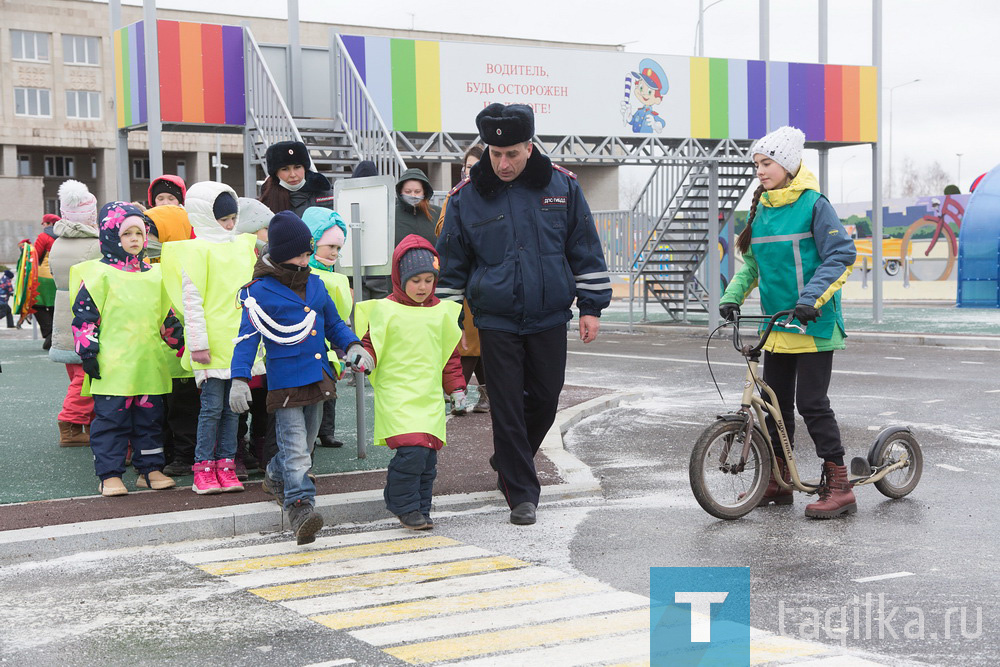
(359, 378)
(295, 56)
(824, 170)
(154, 127)
(713, 279)
(122, 188)
(249, 168)
(335, 74)
(764, 46)
(877, 166)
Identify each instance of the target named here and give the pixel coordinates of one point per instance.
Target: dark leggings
(470, 364)
(803, 380)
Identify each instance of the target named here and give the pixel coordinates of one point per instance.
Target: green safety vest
(412, 346)
(132, 307)
(218, 270)
(339, 290)
(782, 242)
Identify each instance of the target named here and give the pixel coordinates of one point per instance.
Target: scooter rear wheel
(898, 483)
(721, 486)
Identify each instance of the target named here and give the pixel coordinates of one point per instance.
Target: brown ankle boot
(835, 495)
(72, 435)
(776, 494)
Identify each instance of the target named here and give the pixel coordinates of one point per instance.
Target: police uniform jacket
(521, 252)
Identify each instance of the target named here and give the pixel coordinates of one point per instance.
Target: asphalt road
(148, 606)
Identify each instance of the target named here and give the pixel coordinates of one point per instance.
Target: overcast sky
(952, 46)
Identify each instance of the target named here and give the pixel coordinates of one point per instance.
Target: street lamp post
(843, 168)
(892, 133)
(699, 36)
(958, 178)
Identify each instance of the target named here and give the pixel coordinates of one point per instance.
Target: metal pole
(295, 55)
(249, 168)
(713, 278)
(701, 28)
(334, 78)
(154, 127)
(359, 378)
(823, 22)
(121, 136)
(764, 46)
(877, 165)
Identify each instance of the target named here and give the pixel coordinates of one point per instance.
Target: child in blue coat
(289, 308)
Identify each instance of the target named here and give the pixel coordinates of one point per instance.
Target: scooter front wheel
(725, 486)
(901, 482)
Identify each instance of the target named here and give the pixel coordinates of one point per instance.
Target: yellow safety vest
(339, 290)
(412, 346)
(132, 307)
(218, 270)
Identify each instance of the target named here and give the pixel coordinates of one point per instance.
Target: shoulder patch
(459, 186)
(564, 170)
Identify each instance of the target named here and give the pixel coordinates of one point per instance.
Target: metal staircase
(678, 196)
(335, 145)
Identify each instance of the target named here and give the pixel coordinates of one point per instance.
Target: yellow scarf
(804, 180)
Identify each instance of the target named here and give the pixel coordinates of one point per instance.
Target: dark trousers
(43, 314)
(802, 380)
(409, 482)
(526, 376)
(255, 420)
(472, 365)
(329, 424)
(120, 421)
(7, 313)
(180, 430)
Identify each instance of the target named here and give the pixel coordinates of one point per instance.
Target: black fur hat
(501, 125)
(285, 153)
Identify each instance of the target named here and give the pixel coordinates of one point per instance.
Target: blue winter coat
(521, 252)
(297, 365)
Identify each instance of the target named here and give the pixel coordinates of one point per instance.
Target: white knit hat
(784, 146)
(77, 204)
(253, 216)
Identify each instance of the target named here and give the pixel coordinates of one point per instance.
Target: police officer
(519, 242)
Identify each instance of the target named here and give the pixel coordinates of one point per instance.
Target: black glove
(806, 314)
(92, 368)
(729, 311)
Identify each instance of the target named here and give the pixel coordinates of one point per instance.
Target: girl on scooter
(798, 254)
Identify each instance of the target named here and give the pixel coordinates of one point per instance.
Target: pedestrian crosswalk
(429, 599)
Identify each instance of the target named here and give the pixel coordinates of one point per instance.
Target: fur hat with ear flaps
(501, 125)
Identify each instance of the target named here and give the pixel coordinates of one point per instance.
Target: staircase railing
(654, 204)
(359, 117)
(266, 110)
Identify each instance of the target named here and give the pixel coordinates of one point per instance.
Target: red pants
(76, 409)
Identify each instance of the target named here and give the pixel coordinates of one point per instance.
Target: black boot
(305, 520)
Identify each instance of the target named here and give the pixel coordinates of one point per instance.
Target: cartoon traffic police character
(650, 85)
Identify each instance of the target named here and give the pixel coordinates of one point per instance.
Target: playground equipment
(979, 251)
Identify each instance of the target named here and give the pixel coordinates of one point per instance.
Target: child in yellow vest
(202, 277)
(120, 313)
(413, 338)
(329, 233)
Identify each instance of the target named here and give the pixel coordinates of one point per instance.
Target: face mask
(411, 200)
(294, 267)
(291, 188)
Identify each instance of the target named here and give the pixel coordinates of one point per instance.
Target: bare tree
(918, 180)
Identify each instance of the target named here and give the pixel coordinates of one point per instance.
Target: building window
(83, 104)
(52, 206)
(59, 165)
(26, 45)
(81, 50)
(140, 169)
(32, 102)
(23, 165)
(93, 168)
(182, 170)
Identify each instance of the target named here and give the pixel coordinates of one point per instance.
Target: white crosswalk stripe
(429, 599)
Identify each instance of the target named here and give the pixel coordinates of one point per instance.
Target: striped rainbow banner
(403, 76)
(201, 74)
(830, 103)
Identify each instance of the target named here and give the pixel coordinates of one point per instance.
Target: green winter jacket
(799, 253)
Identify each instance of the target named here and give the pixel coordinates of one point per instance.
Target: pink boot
(225, 473)
(204, 478)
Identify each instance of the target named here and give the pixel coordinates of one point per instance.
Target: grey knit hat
(784, 146)
(416, 261)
